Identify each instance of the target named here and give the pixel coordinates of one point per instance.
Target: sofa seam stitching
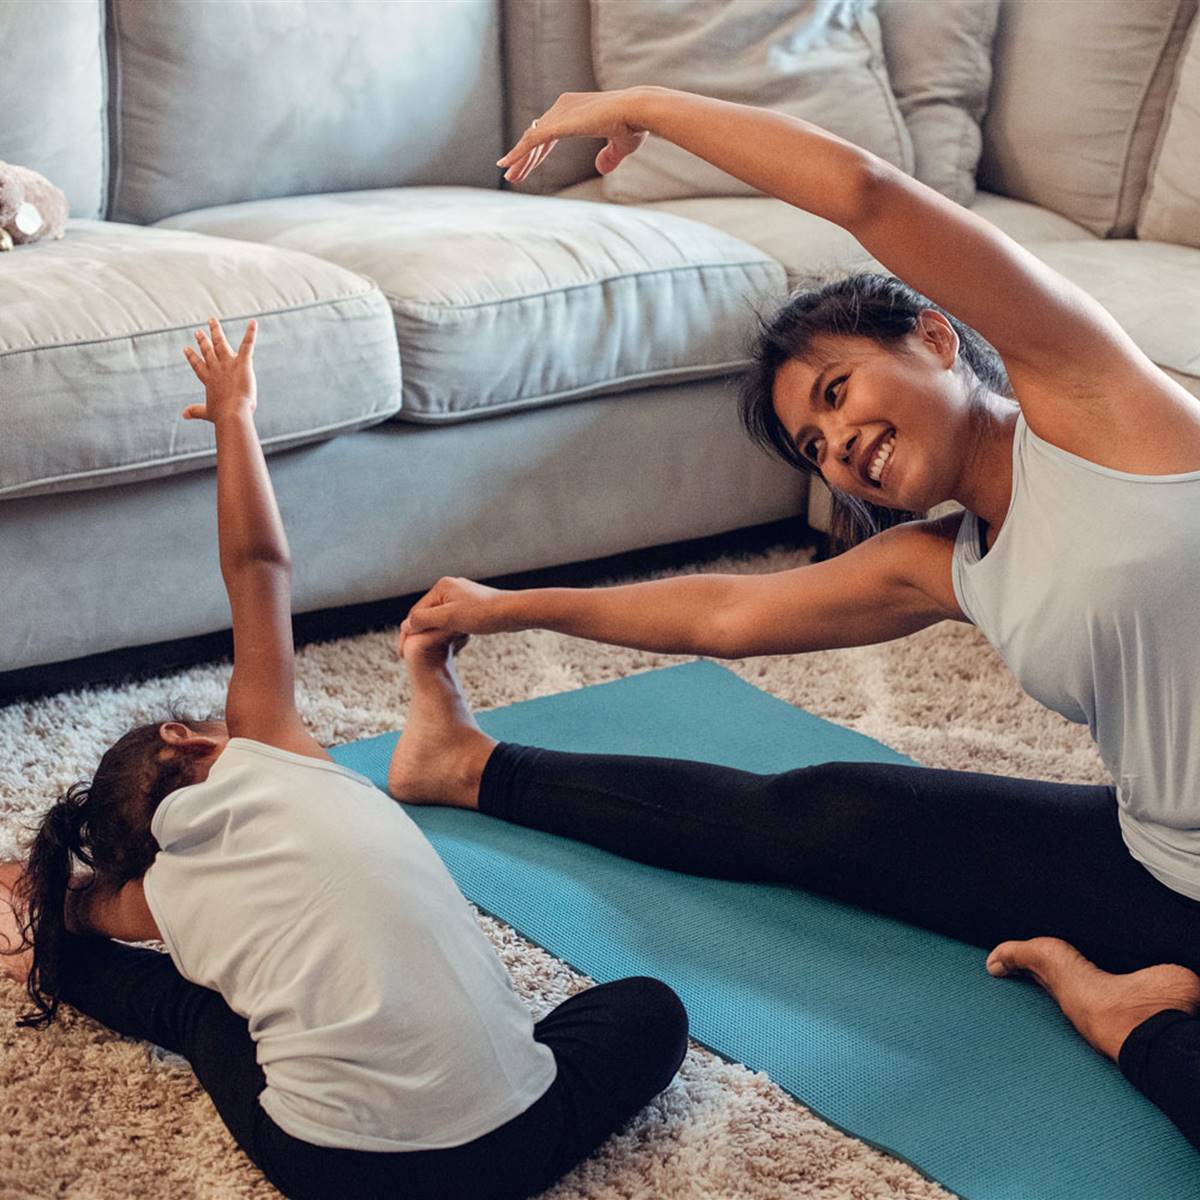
(699, 372)
(140, 333)
(15, 490)
(400, 302)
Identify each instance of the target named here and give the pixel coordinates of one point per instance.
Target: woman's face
(887, 424)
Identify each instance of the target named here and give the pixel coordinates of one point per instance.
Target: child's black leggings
(981, 858)
(617, 1046)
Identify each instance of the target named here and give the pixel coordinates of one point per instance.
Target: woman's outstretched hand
(228, 378)
(578, 114)
(454, 607)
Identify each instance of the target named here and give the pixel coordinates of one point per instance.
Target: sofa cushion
(508, 302)
(92, 374)
(53, 96)
(1171, 211)
(941, 69)
(1078, 96)
(811, 248)
(246, 99)
(1152, 289)
(812, 59)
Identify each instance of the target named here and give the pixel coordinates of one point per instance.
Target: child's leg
(140, 994)
(617, 1046)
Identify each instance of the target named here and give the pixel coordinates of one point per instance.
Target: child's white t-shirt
(311, 901)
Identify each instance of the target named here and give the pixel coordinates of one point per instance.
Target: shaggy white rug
(88, 1115)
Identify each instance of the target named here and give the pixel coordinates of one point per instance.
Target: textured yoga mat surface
(897, 1035)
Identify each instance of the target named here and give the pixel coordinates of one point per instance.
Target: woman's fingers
(421, 619)
(536, 159)
(528, 142)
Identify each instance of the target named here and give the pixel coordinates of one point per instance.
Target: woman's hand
(228, 378)
(578, 114)
(453, 607)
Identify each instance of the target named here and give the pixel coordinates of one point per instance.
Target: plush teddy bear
(31, 207)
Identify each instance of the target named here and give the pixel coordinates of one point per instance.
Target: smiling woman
(987, 378)
(886, 359)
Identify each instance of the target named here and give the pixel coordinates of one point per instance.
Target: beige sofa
(457, 377)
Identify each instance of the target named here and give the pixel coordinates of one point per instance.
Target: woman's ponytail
(41, 895)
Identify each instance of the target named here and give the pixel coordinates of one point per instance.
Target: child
(325, 978)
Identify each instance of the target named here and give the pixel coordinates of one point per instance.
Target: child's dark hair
(105, 826)
(880, 307)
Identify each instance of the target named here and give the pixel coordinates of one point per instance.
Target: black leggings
(981, 858)
(616, 1045)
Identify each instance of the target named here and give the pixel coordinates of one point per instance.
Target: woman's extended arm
(1072, 366)
(255, 561)
(888, 586)
(779, 155)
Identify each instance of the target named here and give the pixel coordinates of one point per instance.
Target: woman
(325, 979)
(1078, 462)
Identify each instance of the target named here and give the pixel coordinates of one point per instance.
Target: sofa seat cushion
(92, 375)
(1153, 290)
(812, 249)
(506, 302)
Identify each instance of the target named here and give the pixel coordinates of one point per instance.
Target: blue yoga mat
(894, 1034)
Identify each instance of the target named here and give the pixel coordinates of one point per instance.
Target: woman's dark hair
(880, 307)
(105, 826)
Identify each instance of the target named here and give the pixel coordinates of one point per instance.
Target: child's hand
(228, 378)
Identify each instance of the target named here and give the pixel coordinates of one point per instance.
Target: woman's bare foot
(14, 965)
(1104, 1008)
(442, 752)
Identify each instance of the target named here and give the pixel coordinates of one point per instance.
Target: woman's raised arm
(1072, 367)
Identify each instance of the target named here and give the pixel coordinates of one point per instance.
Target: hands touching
(453, 607)
(228, 378)
(579, 114)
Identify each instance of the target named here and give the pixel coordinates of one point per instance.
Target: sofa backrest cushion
(1078, 97)
(939, 61)
(53, 96)
(821, 60)
(248, 99)
(1171, 212)
(548, 51)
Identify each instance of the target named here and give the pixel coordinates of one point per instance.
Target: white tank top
(311, 901)
(1091, 594)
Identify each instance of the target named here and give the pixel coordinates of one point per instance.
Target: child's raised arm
(255, 559)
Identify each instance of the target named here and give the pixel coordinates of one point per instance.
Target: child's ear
(184, 737)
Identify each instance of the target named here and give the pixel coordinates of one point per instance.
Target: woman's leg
(1161, 1058)
(982, 858)
(978, 857)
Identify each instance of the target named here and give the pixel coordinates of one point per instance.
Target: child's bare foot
(14, 965)
(1104, 1008)
(442, 752)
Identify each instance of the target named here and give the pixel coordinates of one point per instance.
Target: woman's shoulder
(1137, 420)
